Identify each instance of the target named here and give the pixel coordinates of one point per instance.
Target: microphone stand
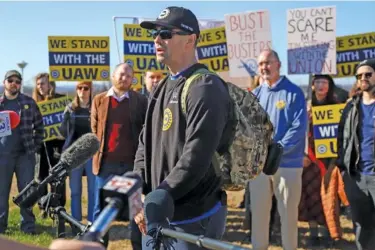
(64, 216)
(200, 240)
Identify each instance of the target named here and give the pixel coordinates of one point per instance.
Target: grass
(119, 234)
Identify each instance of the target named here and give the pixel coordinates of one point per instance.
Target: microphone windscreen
(158, 208)
(14, 118)
(80, 151)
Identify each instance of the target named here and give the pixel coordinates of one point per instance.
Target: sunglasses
(83, 88)
(14, 81)
(168, 34)
(367, 75)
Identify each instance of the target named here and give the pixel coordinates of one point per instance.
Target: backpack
(251, 131)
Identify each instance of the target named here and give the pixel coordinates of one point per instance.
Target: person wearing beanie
(356, 156)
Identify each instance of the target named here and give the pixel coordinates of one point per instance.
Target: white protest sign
(247, 33)
(312, 40)
(5, 127)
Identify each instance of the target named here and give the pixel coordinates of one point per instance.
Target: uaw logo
(164, 14)
(5, 128)
(167, 120)
(251, 66)
(280, 104)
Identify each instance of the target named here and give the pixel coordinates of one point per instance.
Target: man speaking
(176, 149)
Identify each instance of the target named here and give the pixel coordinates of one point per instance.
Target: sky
(25, 26)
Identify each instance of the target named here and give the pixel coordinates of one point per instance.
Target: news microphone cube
(129, 190)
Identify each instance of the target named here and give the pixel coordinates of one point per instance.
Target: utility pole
(22, 65)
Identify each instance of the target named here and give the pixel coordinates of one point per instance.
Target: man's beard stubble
(369, 88)
(12, 92)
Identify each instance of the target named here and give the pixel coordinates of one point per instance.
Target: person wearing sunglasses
(176, 149)
(356, 155)
(17, 151)
(76, 122)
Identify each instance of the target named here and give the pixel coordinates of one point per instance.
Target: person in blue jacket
(286, 106)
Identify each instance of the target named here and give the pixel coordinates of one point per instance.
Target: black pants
(360, 190)
(49, 157)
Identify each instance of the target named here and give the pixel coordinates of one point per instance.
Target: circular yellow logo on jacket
(280, 104)
(167, 120)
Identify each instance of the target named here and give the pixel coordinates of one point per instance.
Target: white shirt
(111, 92)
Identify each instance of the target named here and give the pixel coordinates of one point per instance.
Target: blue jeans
(212, 227)
(75, 183)
(106, 170)
(23, 165)
(360, 190)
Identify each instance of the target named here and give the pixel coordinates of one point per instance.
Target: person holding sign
(50, 152)
(356, 155)
(76, 122)
(18, 150)
(285, 103)
(321, 189)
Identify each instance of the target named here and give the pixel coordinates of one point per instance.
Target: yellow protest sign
(212, 49)
(325, 127)
(139, 52)
(79, 58)
(52, 112)
(351, 50)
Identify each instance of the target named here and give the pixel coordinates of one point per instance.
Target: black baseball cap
(11, 73)
(369, 62)
(177, 18)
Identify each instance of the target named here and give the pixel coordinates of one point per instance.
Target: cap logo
(164, 14)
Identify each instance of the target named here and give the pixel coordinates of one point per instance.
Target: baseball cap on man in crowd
(369, 62)
(175, 18)
(11, 73)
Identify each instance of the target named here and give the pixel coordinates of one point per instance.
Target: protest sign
(325, 127)
(79, 58)
(212, 49)
(312, 40)
(351, 50)
(247, 33)
(52, 112)
(139, 52)
(5, 126)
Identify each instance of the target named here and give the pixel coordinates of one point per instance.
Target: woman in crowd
(76, 123)
(44, 90)
(322, 183)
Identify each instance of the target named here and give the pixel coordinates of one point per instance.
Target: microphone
(120, 199)
(73, 157)
(159, 210)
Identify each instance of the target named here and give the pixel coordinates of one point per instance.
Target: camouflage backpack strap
(185, 89)
(188, 83)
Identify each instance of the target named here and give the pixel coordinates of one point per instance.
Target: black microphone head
(80, 151)
(158, 209)
(133, 175)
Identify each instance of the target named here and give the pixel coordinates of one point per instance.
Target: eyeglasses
(367, 75)
(83, 88)
(14, 81)
(168, 34)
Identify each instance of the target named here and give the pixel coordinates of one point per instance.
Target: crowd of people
(147, 133)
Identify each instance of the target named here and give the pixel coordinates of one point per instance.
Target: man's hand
(140, 221)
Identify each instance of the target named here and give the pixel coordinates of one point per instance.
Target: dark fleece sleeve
(206, 114)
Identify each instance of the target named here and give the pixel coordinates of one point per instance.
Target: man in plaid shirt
(18, 151)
